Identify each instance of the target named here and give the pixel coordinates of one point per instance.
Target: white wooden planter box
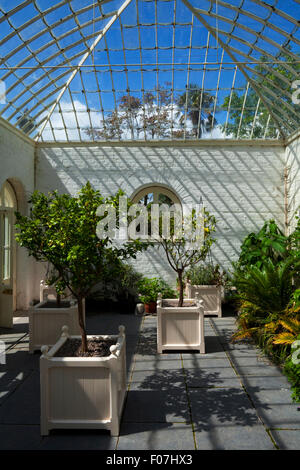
(211, 296)
(46, 291)
(180, 327)
(45, 324)
(83, 392)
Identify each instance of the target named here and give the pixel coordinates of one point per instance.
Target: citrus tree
(183, 249)
(61, 230)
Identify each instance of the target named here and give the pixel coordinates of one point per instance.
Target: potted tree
(209, 282)
(149, 288)
(82, 377)
(180, 322)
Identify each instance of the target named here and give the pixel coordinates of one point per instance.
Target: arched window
(157, 194)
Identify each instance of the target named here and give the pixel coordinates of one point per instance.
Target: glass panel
(6, 247)
(164, 199)
(8, 197)
(147, 199)
(6, 265)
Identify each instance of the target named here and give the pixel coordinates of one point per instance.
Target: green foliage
(180, 254)
(206, 275)
(149, 288)
(269, 289)
(292, 371)
(61, 230)
(268, 244)
(118, 284)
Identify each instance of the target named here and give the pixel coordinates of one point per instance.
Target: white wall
(242, 185)
(293, 165)
(17, 166)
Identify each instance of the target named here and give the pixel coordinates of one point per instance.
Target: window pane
(6, 265)
(6, 253)
(164, 199)
(147, 199)
(8, 197)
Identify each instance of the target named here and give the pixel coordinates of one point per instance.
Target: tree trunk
(180, 284)
(84, 346)
(58, 300)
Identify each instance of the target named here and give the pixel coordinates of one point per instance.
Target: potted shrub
(118, 290)
(149, 288)
(61, 230)
(180, 322)
(209, 282)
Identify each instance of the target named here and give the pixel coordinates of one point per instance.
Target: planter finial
(113, 349)
(44, 350)
(122, 330)
(65, 332)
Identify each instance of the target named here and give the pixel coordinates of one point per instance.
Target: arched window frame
(155, 189)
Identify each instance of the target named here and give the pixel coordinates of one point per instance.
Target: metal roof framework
(85, 70)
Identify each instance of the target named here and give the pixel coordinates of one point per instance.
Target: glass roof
(82, 70)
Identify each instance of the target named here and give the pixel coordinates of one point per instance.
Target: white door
(7, 208)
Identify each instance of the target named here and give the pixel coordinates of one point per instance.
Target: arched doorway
(8, 205)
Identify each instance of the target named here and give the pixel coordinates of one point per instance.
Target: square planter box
(211, 296)
(46, 291)
(180, 327)
(83, 392)
(46, 321)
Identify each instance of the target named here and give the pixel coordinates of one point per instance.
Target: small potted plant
(208, 282)
(83, 378)
(149, 288)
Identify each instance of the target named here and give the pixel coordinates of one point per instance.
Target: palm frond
(284, 338)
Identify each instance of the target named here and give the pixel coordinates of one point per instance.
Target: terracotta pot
(150, 307)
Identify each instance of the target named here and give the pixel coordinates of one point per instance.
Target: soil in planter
(96, 348)
(53, 304)
(175, 304)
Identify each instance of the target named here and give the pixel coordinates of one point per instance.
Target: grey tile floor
(230, 398)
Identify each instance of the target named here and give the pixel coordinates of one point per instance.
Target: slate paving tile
(20, 437)
(287, 439)
(257, 370)
(9, 381)
(203, 373)
(23, 406)
(250, 361)
(155, 364)
(157, 380)
(221, 407)
(156, 436)
(156, 406)
(236, 354)
(18, 358)
(276, 382)
(207, 378)
(276, 408)
(234, 438)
